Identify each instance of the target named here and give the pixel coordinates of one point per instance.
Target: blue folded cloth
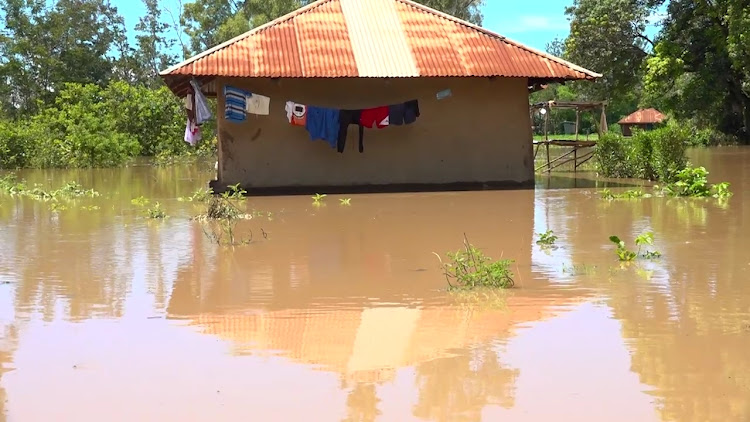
(323, 123)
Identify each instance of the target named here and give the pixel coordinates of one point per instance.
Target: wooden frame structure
(577, 144)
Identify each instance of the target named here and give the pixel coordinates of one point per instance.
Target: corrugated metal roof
(649, 115)
(372, 38)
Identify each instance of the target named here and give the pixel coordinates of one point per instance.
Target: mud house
(447, 100)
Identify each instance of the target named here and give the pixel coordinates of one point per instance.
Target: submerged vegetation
(469, 268)
(156, 212)
(693, 182)
(318, 199)
(70, 190)
(643, 240)
(547, 238)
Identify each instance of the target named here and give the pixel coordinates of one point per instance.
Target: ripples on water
(342, 312)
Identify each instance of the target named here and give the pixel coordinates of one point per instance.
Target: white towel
(258, 104)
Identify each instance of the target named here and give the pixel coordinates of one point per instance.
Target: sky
(534, 23)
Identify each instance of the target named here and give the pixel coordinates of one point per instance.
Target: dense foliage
(89, 126)
(653, 155)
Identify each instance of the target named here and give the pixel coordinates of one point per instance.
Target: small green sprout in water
(140, 201)
(90, 207)
(626, 255)
(345, 201)
(57, 207)
(547, 238)
(469, 268)
(234, 192)
(156, 212)
(318, 199)
(647, 239)
(200, 195)
(623, 253)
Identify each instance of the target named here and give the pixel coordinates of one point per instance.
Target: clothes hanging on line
(201, 108)
(235, 103)
(258, 104)
(404, 113)
(296, 113)
(346, 118)
(323, 123)
(375, 117)
(192, 133)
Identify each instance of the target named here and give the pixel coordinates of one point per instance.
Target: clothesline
(322, 123)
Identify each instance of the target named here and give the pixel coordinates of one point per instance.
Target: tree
(45, 44)
(153, 54)
(211, 22)
(609, 37)
(701, 66)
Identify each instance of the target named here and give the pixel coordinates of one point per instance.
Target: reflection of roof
(646, 116)
(370, 344)
(374, 38)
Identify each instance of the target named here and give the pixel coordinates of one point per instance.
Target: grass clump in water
(156, 212)
(469, 268)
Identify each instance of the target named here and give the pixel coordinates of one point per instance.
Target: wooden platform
(570, 156)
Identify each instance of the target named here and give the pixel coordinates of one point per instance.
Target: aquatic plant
(200, 195)
(623, 253)
(628, 194)
(547, 238)
(220, 220)
(69, 190)
(318, 199)
(234, 192)
(647, 239)
(345, 201)
(469, 268)
(693, 182)
(626, 255)
(156, 212)
(140, 201)
(57, 207)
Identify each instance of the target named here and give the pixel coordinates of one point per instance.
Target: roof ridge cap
(244, 35)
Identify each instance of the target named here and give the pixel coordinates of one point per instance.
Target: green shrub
(669, 147)
(469, 268)
(615, 156)
(644, 154)
(693, 182)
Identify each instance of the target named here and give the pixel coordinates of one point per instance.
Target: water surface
(342, 312)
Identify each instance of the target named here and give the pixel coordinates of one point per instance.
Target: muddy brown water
(340, 313)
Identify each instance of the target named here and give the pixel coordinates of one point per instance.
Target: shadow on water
(342, 310)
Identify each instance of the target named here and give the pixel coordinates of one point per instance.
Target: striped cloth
(235, 103)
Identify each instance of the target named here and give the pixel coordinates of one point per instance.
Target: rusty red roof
(372, 38)
(642, 117)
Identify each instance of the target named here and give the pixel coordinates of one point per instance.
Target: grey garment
(202, 111)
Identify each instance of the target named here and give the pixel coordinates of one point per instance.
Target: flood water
(340, 313)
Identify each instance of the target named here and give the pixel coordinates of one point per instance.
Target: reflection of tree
(458, 388)
(362, 403)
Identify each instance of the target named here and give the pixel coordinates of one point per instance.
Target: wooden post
(549, 165)
(578, 121)
(546, 124)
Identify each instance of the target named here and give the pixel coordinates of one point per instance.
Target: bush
(469, 268)
(652, 155)
(90, 126)
(615, 156)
